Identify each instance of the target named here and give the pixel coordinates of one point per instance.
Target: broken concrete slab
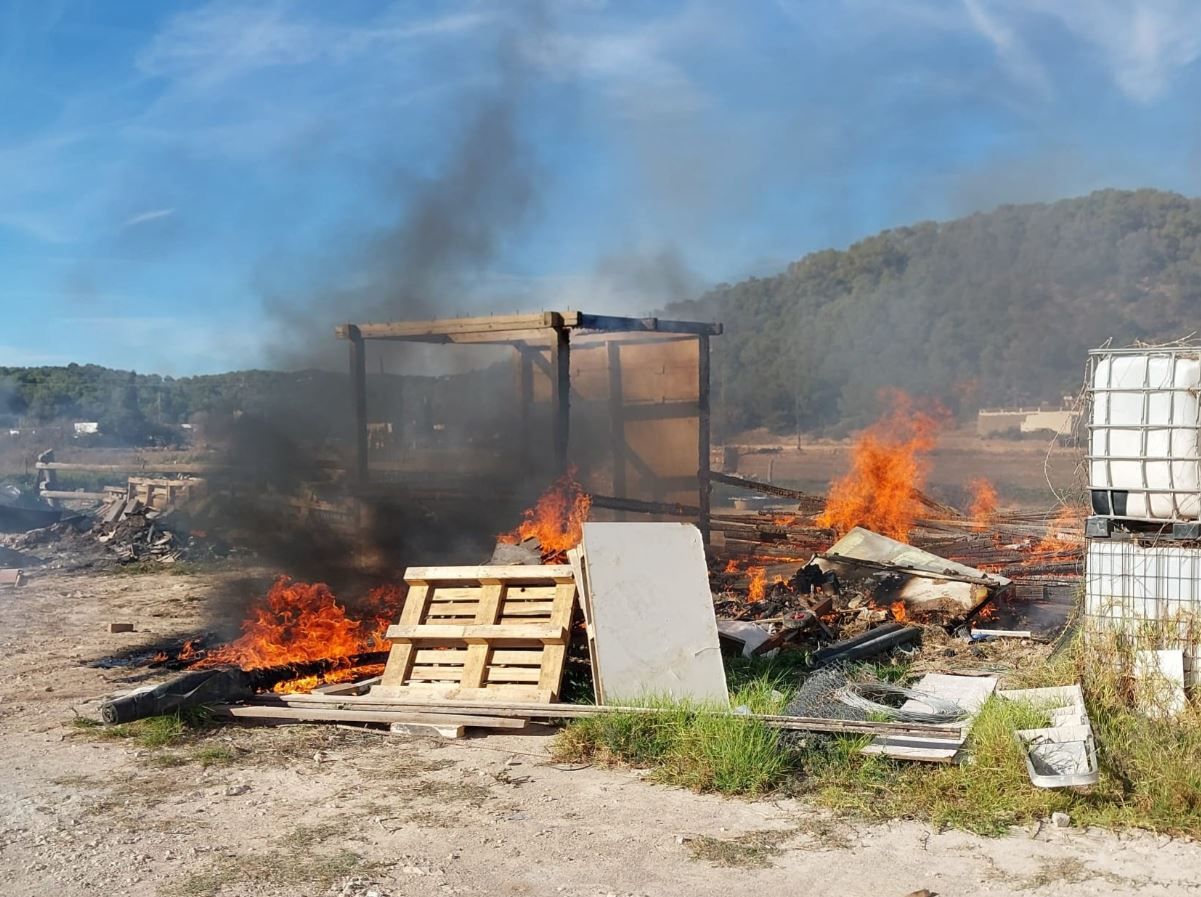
(649, 612)
(1159, 683)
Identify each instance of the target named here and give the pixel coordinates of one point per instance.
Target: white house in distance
(995, 421)
(86, 427)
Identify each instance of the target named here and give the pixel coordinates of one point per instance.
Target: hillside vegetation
(996, 308)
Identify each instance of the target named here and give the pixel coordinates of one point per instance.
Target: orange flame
(1058, 538)
(887, 467)
(731, 566)
(557, 518)
(302, 622)
(984, 503)
(330, 677)
(758, 586)
(899, 613)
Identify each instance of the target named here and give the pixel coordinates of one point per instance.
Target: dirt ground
(316, 810)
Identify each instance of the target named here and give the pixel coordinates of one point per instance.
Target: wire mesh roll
(861, 695)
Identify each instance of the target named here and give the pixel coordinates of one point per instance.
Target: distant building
(86, 427)
(996, 421)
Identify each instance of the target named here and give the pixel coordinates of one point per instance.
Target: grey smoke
(450, 227)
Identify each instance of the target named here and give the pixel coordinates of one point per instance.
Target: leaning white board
(651, 626)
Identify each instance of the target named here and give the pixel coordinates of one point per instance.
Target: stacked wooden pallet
(466, 635)
(481, 633)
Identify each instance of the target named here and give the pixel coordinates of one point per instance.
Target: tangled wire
(867, 696)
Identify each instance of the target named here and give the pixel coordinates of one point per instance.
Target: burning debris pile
(552, 527)
(903, 557)
(872, 568)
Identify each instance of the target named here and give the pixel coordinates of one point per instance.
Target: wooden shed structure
(645, 379)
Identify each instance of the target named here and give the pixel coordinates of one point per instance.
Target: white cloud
(1009, 46)
(210, 46)
(149, 215)
(1142, 44)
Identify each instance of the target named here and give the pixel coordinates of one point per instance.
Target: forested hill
(996, 308)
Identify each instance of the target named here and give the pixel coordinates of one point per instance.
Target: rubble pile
(123, 531)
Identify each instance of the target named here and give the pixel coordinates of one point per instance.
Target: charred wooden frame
(551, 328)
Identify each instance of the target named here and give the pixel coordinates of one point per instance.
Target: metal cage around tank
(1145, 465)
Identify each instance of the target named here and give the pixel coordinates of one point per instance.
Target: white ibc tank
(1144, 458)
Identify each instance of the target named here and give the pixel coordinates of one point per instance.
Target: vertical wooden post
(562, 396)
(617, 422)
(358, 386)
(702, 471)
(525, 390)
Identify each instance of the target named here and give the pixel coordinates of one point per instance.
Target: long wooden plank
(453, 326)
(501, 674)
(534, 632)
(442, 674)
(419, 692)
(333, 715)
(527, 709)
(528, 574)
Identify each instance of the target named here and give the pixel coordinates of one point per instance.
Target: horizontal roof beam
(645, 325)
(507, 328)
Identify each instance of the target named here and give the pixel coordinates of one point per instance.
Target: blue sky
(183, 185)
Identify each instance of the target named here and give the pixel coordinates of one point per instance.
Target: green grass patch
(152, 732)
(691, 746)
(1150, 767)
(987, 795)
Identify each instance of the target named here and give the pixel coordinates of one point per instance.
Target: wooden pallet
(481, 634)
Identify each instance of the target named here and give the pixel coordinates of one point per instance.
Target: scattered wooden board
(357, 715)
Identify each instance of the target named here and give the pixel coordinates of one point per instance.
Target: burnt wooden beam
(669, 509)
(765, 488)
(358, 388)
(525, 392)
(561, 397)
(645, 325)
